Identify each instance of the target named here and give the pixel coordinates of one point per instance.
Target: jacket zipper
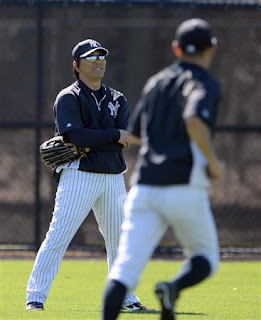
(97, 102)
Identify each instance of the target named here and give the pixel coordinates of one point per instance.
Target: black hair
(76, 73)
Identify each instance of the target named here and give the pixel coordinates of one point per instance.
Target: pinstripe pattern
(108, 211)
(78, 192)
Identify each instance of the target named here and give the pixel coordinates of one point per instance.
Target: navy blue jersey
(78, 107)
(178, 92)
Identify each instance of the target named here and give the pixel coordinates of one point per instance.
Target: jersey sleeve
(202, 102)
(67, 114)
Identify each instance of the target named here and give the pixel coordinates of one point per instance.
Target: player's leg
(198, 236)
(195, 230)
(108, 211)
(142, 229)
(71, 208)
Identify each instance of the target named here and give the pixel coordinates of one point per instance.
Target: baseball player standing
(88, 114)
(174, 119)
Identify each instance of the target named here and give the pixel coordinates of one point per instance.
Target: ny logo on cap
(93, 43)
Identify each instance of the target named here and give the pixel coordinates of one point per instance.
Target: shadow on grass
(191, 314)
(158, 312)
(152, 311)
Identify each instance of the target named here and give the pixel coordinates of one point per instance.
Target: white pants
(148, 212)
(78, 192)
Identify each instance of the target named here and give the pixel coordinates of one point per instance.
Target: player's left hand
(56, 151)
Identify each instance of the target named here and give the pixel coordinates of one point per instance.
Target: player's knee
(201, 267)
(205, 265)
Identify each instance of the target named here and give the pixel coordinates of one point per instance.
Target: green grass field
(233, 293)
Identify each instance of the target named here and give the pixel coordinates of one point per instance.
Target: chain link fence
(36, 64)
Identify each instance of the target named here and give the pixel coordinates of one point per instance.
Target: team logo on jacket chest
(114, 108)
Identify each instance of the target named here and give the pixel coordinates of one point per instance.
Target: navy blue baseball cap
(86, 47)
(195, 35)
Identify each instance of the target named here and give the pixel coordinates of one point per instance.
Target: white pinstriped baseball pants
(78, 192)
(149, 210)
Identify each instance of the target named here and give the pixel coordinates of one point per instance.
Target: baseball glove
(56, 151)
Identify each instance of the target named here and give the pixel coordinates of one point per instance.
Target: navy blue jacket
(77, 109)
(178, 92)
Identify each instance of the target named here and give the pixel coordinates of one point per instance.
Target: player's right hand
(125, 138)
(216, 169)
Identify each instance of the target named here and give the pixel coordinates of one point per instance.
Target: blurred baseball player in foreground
(174, 120)
(94, 116)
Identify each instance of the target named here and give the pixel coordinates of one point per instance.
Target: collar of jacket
(85, 88)
(187, 65)
(88, 90)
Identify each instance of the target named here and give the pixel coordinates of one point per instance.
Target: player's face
(93, 69)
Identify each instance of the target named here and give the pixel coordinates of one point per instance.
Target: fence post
(38, 115)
